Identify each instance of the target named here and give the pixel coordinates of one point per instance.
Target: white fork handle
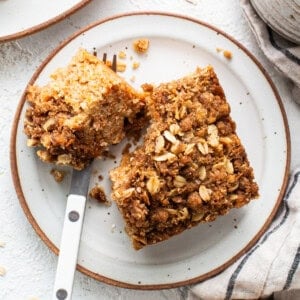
(69, 245)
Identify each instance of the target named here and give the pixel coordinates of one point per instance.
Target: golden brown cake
(191, 166)
(80, 112)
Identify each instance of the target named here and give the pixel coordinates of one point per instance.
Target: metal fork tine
(114, 63)
(104, 57)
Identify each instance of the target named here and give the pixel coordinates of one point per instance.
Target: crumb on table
(58, 175)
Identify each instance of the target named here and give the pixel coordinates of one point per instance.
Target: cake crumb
(122, 54)
(108, 63)
(121, 67)
(108, 154)
(135, 65)
(141, 45)
(2, 244)
(100, 177)
(147, 88)
(2, 271)
(98, 194)
(126, 149)
(227, 54)
(58, 175)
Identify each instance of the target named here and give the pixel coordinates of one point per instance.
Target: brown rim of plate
(44, 25)
(16, 179)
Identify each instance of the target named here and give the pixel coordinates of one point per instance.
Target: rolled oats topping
(204, 193)
(165, 157)
(153, 185)
(159, 144)
(191, 167)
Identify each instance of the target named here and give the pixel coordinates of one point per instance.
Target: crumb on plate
(141, 45)
(121, 67)
(227, 54)
(58, 175)
(98, 194)
(122, 54)
(135, 65)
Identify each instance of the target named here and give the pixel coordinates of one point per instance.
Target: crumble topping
(80, 112)
(191, 167)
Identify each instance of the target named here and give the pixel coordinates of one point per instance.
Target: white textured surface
(29, 265)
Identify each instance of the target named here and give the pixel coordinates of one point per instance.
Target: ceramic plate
(177, 46)
(20, 18)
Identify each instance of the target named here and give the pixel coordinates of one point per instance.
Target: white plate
(177, 46)
(21, 17)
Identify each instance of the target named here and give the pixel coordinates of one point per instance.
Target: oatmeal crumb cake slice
(81, 111)
(191, 166)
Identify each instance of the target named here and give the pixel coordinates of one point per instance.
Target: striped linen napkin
(284, 54)
(272, 265)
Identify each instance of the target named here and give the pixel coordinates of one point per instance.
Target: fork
(72, 227)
